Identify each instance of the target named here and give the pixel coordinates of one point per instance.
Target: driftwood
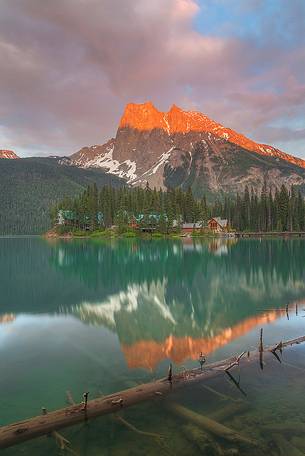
(131, 427)
(286, 428)
(205, 443)
(202, 441)
(229, 410)
(261, 345)
(278, 347)
(299, 443)
(285, 447)
(235, 362)
(222, 396)
(63, 443)
(293, 366)
(195, 435)
(43, 425)
(159, 439)
(210, 426)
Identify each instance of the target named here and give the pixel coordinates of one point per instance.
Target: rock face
(186, 148)
(8, 154)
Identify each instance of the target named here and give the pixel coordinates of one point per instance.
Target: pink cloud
(69, 67)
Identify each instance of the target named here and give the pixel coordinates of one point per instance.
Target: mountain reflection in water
(163, 299)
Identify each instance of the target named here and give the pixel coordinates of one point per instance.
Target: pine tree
(284, 210)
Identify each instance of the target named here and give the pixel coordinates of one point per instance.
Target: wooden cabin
(190, 227)
(133, 222)
(145, 221)
(69, 218)
(65, 217)
(218, 225)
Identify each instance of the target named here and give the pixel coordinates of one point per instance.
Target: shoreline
(133, 235)
(156, 236)
(175, 236)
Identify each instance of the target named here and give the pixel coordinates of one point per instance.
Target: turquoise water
(101, 316)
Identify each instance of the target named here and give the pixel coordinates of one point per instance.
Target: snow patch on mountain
(167, 125)
(9, 154)
(126, 169)
(176, 148)
(161, 161)
(126, 301)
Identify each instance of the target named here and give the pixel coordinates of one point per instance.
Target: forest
(282, 210)
(29, 186)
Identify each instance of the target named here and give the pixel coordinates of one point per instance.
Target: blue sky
(248, 19)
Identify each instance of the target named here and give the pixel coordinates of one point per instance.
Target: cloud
(69, 67)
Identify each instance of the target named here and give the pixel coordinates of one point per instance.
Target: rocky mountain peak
(175, 108)
(187, 148)
(142, 117)
(4, 153)
(146, 117)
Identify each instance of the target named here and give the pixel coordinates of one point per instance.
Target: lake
(100, 316)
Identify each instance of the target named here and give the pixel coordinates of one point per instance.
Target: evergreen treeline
(282, 211)
(29, 186)
(117, 205)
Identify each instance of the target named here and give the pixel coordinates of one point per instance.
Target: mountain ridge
(187, 149)
(8, 154)
(30, 186)
(146, 117)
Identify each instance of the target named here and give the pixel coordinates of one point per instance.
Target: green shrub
(157, 235)
(97, 233)
(80, 233)
(103, 233)
(63, 229)
(129, 234)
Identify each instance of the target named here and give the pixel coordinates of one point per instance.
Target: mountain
(186, 148)
(8, 154)
(29, 186)
(109, 285)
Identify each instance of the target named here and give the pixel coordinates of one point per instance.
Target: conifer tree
(277, 210)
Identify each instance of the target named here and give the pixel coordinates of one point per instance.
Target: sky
(68, 67)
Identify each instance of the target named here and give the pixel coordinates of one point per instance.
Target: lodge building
(218, 225)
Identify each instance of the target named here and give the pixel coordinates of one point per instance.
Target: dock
(245, 234)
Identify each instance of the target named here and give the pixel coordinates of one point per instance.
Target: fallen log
(222, 396)
(211, 426)
(74, 414)
(131, 427)
(22, 431)
(201, 440)
(299, 443)
(158, 438)
(236, 361)
(290, 428)
(62, 443)
(235, 408)
(293, 366)
(285, 447)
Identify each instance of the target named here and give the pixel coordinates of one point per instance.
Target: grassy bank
(110, 233)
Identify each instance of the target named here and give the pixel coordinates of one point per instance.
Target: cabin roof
(192, 225)
(66, 214)
(151, 216)
(222, 222)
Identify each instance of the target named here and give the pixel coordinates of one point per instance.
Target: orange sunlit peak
(146, 117)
